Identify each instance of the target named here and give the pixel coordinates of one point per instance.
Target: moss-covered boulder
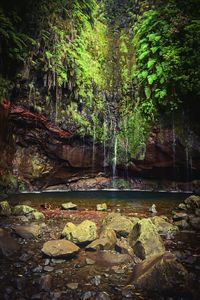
(37, 215)
(60, 249)
(163, 226)
(5, 209)
(145, 240)
(160, 272)
(192, 202)
(120, 224)
(85, 232)
(106, 241)
(20, 210)
(102, 207)
(69, 206)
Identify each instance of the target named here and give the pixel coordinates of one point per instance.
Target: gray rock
(48, 269)
(5, 209)
(103, 296)
(60, 249)
(83, 233)
(145, 240)
(161, 272)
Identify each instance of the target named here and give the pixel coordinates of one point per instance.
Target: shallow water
(138, 202)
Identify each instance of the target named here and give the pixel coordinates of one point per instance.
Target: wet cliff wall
(99, 94)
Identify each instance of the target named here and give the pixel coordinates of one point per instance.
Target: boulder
(69, 205)
(5, 209)
(193, 202)
(145, 239)
(20, 210)
(120, 224)
(8, 245)
(37, 215)
(60, 249)
(164, 227)
(85, 232)
(102, 207)
(31, 231)
(160, 272)
(106, 241)
(122, 246)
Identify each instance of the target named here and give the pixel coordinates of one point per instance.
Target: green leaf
(147, 92)
(150, 63)
(152, 78)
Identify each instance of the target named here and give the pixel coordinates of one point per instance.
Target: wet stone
(5, 209)
(69, 205)
(103, 296)
(72, 285)
(37, 269)
(48, 269)
(102, 207)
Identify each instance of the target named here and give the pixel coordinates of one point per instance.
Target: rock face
(161, 272)
(5, 209)
(8, 245)
(120, 224)
(60, 249)
(83, 233)
(145, 239)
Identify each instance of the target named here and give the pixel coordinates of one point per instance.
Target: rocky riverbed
(101, 253)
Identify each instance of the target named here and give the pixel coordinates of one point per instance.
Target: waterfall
(104, 146)
(114, 165)
(93, 149)
(174, 150)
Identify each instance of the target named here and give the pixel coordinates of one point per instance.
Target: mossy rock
(85, 232)
(5, 209)
(38, 216)
(20, 210)
(145, 240)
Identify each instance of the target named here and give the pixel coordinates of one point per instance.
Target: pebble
(88, 295)
(48, 269)
(37, 269)
(102, 296)
(96, 280)
(72, 285)
(89, 261)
